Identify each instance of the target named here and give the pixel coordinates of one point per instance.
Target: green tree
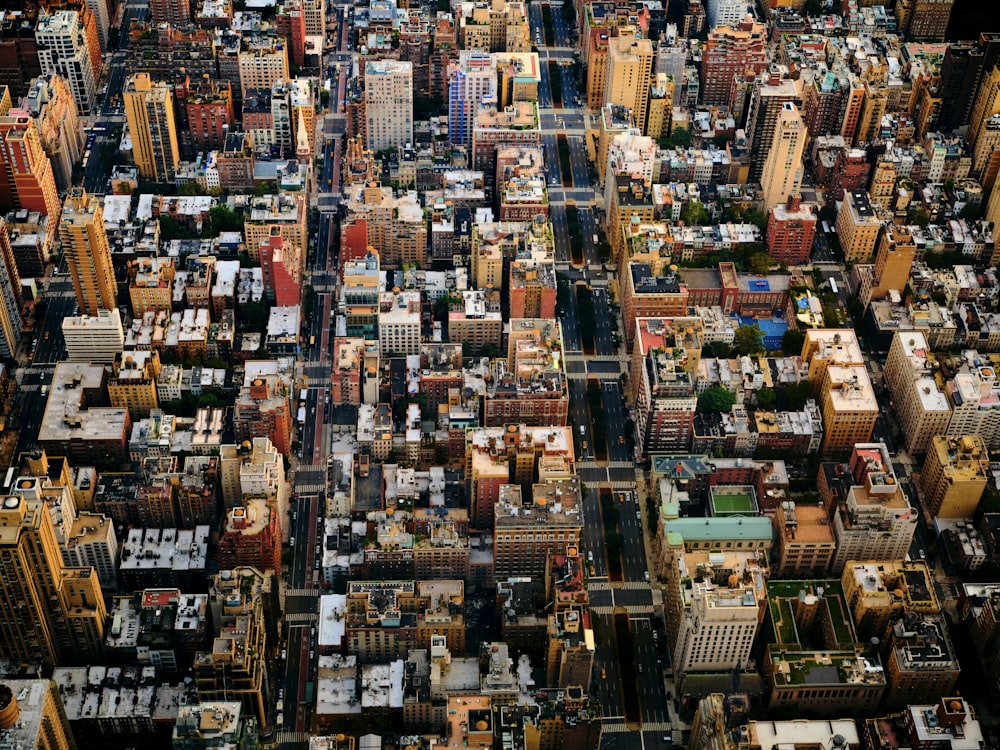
(796, 394)
(223, 219)
(792, 340)
(970, 212)
(832, 316)
(760, 263)
(267, 187)
(171, 229)
(920, 217)
(766, 398)
(189, 188)
(717, 349)
(813, 8)
(715, 399)
(757, 218)
(828, 213)
(695, 214)
(748, 340)
(255, 315)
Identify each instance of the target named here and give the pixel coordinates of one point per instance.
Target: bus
(302, 415)
(303, 393)
(833, 285)
(312, 341)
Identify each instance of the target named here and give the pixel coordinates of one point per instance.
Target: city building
(472, 80)
(529, 387)
(388, 104)
(782, 174)
(149, 109)
(88, 255)
(53, 614)
(28, 181)
(166, 11)
(954, 475)
(78, 419)
(263, 406)
(94, 338)
(867, 510)
(791, 228)
(712, 606)
(922, 409)
(11, 320)
(628, 73)
(251, 536)
(132, 385)
(528, 530)
(805, 540)
(399, 323)
(212, 724)
(949, 724)
(924, 20)
(770, 92)
(858, 226)
(235, 667)
(261, 62)
(665, 358)
(816, 663)
(729, 52)
(69, 46)
(848, 406)
(32, 714)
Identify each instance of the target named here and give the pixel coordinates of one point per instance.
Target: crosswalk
(291, 737)
(619, 727)
(627, 585)
(302, 592)
(633, 609)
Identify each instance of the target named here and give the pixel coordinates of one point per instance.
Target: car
(284, 654)
(638, 515)
(640, 669)
(604, 673)
(923, 554)
(621, 440)
(291, 541)
(645, 575)
(47, 335)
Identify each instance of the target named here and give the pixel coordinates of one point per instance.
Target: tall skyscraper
(924, 20)
(987, 102)
(10, 296)
(961, 70)
(783, 168)
(770, 92)
(388, 104)
(628, 73)
(26, 180)
(471, 80)
(68, 45)
(50, 102)
(731, 51)
(85, 245)
(149, 108)
(32, 715)
(47, 611)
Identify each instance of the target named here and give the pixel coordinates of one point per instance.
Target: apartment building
(954, 475)
(923, 410)
(867, 510)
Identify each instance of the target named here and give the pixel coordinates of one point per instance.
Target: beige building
(628, 73)
(805, 540)
(857, 226)
(88, 254)
(33, 716)
(782, 176)
(477, 324)
(149, 109)
(870, 516)
(849, 407)
(823, 347)
(527, 531)
(133, 385)
(388, 104)
(954, 475)
(263, 63)
(712, 602)
(922, 409)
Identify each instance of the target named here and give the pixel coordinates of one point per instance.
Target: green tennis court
(726, 504)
